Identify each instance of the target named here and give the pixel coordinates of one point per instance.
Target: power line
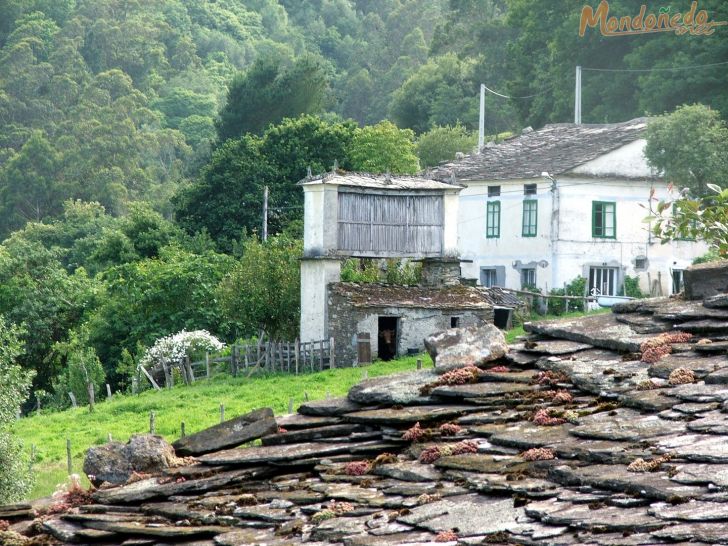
(511, 97)
(665, 69)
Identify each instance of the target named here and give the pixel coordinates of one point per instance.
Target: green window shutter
(604, 220)
(530, 218)
(492, 220)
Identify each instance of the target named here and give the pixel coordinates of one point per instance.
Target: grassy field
(197, 405)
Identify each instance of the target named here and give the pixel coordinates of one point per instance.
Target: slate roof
(377, 181)
(452, 297)
(556, 149)
(578, 436)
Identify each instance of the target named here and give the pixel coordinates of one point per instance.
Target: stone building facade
(398, 318)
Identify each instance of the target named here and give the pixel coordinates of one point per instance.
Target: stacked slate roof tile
(571, 438)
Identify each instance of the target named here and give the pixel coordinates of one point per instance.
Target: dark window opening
(640, 263)
(387, 337)
(603, 281)
(493, 191)
(454, 322)
(529, 189)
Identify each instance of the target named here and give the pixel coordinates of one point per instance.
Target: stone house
(567, 200)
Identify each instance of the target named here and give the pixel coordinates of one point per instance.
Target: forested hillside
(136, 137)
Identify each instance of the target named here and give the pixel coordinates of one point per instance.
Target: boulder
(115, 462)
(706, 280)
(469, 346)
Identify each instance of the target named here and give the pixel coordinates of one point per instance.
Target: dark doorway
(387, 337)
(503, 318)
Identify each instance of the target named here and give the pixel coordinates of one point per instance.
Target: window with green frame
(604, 219)
(492, 220)
(530, 218)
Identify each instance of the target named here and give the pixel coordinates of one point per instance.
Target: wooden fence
(571, 303)
(270, 356)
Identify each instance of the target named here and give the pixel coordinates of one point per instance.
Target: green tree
(272, 89)
(384, 148)
(15, 478)
(443, 143)
(147, 299)
(263, 291)
(82, 368)
(689, 147)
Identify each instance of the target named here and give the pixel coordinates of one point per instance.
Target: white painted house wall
(564, 247)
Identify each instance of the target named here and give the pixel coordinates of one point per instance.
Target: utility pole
(577, 97)
(481, 125)
(265, 213)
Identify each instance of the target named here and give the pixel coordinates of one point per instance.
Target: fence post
(152, 423)
(365, 375)
(321, 355)
(290, 406)
(332, 354)
(182, 429)
(110, 438)
(288, 356)
(266, 350)
(37, 404)
(280, 356)
(69, 458)
(222, 413)
(72, 396)
(247, 356)
(297, 354)
(419, 363)
(207, 365)
(305, 396)
(234, 360)
(134, 385)
(91, 401)
(108, 392)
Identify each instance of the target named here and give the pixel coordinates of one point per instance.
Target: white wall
(566, 252)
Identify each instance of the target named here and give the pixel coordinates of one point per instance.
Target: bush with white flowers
(171, 350)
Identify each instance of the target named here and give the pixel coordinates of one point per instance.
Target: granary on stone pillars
(382, 216)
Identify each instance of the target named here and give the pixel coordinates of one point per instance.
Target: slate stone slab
(701, 365)
(15, 511)
(233, 432)
(408, 415)
(408, 472)
(481, 463)
(336, 529)
(680, 311)
(297, 421)
(554, 347)
(526, 435)
(712, 423)
(151, 488)
(692, 408)
(711, 533)
(651, 400)
(651, 485)
(598, 451)
(309, 434)
(691, 511)
(473, 345)
(471, 514)
(701, 474)
(624, 425)
(607, 518)
(393, 389)
(719, 377)
(521, 358)
(700, 448)
(599, 330)
(719, 301)
(643, 324)
(269, 454)
(707, 326)
(488, 417)
(481, 390)
(328, 408)
(700, 392)
(648, 305)
(526, 376)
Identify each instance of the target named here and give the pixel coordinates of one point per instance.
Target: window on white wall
(488, 277)
(604, 220)
(528, 277)
(492, 222)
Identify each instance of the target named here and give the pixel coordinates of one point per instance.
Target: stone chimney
(439, 272)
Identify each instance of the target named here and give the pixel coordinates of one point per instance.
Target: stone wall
(440, 272)
(346, 320)
(705, 280)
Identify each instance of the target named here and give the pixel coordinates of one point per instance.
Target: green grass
(513, 334)
(197, 405)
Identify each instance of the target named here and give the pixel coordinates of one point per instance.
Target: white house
(547, 206)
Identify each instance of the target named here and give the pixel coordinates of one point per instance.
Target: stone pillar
(316, 275)
(451, 207)
(320, 223)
